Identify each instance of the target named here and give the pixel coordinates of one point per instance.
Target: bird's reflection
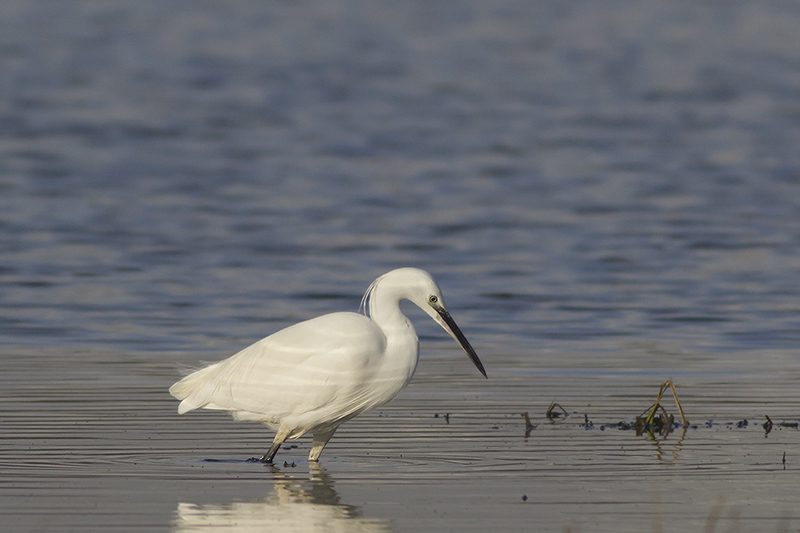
(293, 504)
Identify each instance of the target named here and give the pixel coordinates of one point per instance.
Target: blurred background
(176, 173)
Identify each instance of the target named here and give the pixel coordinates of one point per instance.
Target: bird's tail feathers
(194, 390)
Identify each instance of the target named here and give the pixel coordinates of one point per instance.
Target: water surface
(606, 193)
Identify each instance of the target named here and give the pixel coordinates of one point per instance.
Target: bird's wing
(298, 369)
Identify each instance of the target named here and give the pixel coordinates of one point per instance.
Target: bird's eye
(432, 299)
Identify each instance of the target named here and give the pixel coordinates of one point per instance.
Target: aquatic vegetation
(555, 411)
(665, 422)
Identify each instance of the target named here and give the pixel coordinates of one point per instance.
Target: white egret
(318, 374)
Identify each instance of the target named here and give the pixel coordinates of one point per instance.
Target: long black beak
(450, 326)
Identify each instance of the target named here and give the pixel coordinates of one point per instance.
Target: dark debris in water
(446, 417)
(662, 425)
(529, 426)
(655, 420)
(555, 411)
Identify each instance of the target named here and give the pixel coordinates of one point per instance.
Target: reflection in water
(672, 458)
(293, 505)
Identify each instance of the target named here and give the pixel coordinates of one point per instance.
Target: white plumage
(315, 375)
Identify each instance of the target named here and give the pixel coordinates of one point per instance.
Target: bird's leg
(267, 458)
(321, 438)
(280, 436)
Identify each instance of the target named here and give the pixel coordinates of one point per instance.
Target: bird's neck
(402, 344)
(384, 310)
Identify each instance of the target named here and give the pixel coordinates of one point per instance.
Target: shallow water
(607, 194)
(96, 443)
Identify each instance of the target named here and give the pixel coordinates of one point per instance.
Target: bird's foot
(262, 459)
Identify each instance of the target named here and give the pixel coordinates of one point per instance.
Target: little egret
(318, 374)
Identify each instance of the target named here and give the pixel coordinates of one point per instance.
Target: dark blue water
(597, 186)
